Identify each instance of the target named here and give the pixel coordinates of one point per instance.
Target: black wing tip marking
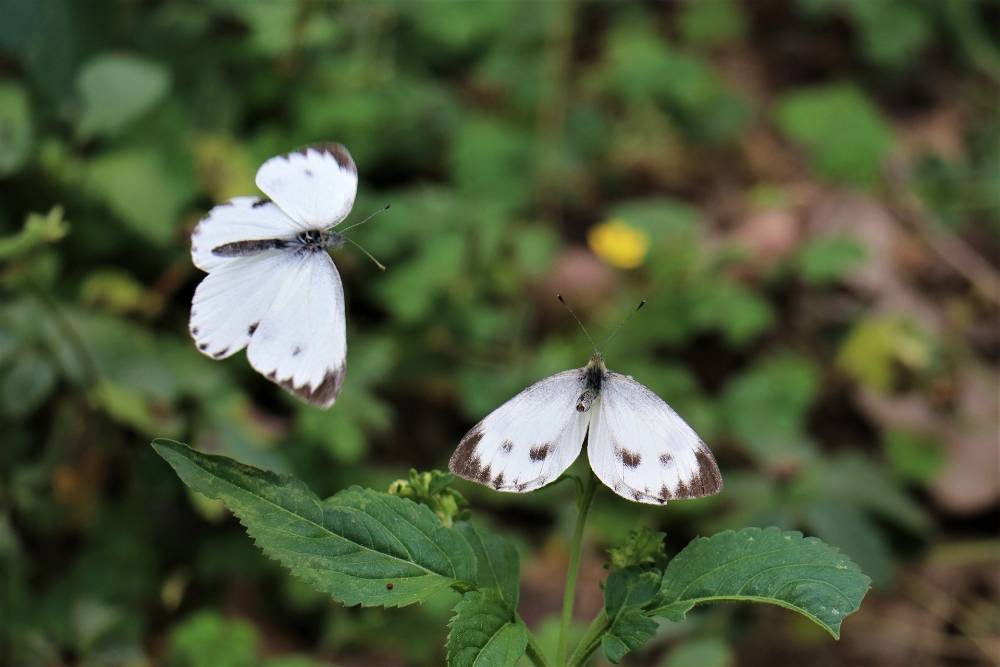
(467, 465)
(337, 151)
(324, 394)
(464, 461)
(706, 482)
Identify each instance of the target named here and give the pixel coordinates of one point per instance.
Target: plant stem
(584, 501)
(534, 652)
(591, 640)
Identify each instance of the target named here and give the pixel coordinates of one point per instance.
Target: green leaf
(361, 546)
(116, 89)
(701, 652)
(26, 384)
(15, 127)
(485, 633)
(765, 407)
(826, 260)
(497, 563)
(206, 639)
(625, 594)
(139, 187)
(764, 565)
(840, 128)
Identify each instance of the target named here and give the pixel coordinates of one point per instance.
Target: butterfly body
(636, 444)
(272, 287)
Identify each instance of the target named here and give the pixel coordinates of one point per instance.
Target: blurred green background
(807, 192)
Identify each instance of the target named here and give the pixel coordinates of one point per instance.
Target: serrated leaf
(485, 632)
(626, 592)
(497, 562)
(360, 546)
(764, 565)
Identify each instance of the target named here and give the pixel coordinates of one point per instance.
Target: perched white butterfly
(271, 286)
(637, 445)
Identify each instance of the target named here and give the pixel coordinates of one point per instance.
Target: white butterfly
(271, 286)
(637, 445)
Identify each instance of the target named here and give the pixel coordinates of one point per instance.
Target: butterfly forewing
(528, 441)
(640, 448)
(301, 343)
(241, 220)
(315, 186)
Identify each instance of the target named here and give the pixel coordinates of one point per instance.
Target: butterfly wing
(238, 220)
(315, 186)
(232, 300)
(301, 343)
(528, 441)
(642, 450)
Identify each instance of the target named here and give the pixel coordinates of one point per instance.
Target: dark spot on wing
(506, 446)
(203, 346)
(665, 494)
(636, 494)
(630, 459)
(253, 328)
(389, 586)
(261, 201)
(683, 491)
(498, 481)
(325, 392)
(297, 351)
(463, 461)
(484, 475)
(309, 172)
(539, 453)
(665, 459)
(221, 353)
(521, 487)
(194, 331)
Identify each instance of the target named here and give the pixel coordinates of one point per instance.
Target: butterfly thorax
(318, 239)
(593, 376)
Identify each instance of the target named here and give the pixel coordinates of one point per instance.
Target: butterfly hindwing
(528, 441)
(301, 343)
(315, 186)
(230, 303)
(640, 448)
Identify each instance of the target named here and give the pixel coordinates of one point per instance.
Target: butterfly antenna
(587, 333)
(360, 247)
(623, 323)
(358, 224)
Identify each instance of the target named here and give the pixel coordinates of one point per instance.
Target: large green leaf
(625, 594)
(361, 546)
(116, 89)
(764, 565)
(497, 564)
(485, 632)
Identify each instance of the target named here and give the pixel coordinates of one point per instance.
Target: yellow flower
(618, 244)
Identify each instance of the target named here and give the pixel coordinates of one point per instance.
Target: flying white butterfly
(272, 286)
(637, 445)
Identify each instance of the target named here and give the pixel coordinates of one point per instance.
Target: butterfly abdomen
(244, 248)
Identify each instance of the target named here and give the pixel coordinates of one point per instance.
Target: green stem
(591, 640)
(534, 652)
(584, 501)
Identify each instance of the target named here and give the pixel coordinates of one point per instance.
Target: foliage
(803, 191)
